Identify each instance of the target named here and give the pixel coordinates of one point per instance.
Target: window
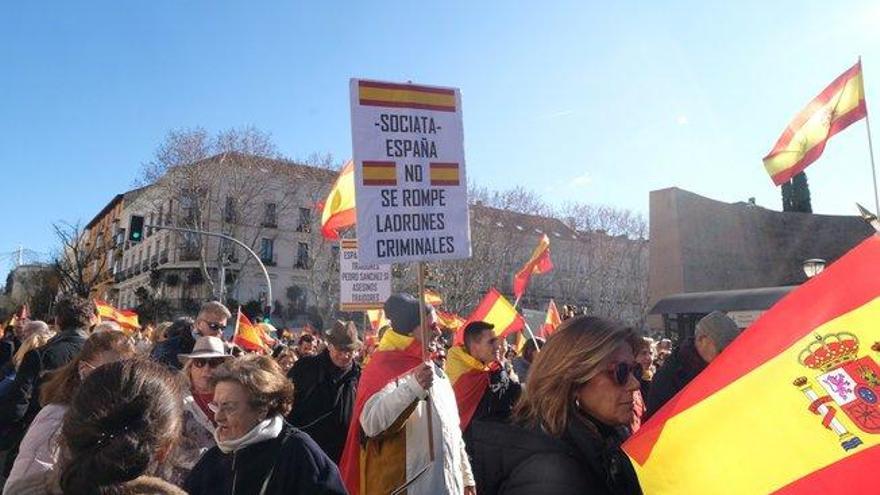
(170, 209)
(267, 248)
(305, 220)
(269, 216)
(150, 228)
(227, 251)
(159, 219)
(229, 213)
(302, 256)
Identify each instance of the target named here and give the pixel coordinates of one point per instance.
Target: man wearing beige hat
(325, 387)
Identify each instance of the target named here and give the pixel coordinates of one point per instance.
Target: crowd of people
(88, 408)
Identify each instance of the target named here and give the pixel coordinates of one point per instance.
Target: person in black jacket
(179, 340)
(257, 452)
(324, 390)
(74, 316)
(714, 332)
(565, 434)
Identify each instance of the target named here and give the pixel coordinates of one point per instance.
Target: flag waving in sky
(539, 263)
(338, 210)
(497, 310)
(790, 407)
(833, 110)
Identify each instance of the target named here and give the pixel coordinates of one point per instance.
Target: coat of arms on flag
(851, 382)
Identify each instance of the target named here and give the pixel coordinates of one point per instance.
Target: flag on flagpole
(792, 402)
(449, 321)
(126, 318)
(338, 210)
(539, 263)
(432, 298)
(497, 310)
(247, 335)
(803, 141)
(551, 321)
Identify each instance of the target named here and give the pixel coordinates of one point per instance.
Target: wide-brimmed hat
(207, 347)
(343, 336)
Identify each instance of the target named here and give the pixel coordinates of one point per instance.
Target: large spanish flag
(469, 378)
(497, 310)
(833, 110)
(539, 263)
(338, 210)
(790, 407)
(248, 336)
(126, 318)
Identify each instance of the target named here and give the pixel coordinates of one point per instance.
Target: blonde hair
(573, 355)
(215, 309)
(36, 340)
(159, 333)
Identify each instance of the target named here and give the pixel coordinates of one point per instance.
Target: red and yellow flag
(449, 321)
(539, 263)
(247, 335)
(383, 94)
(377, 318)
(126, 318)
(432, 298)
(792, 406)
(551, 321)
(497, 310)
(469, 378)
(338, 210)
(833, 110)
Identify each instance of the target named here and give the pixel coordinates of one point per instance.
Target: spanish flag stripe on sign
(405, 96)
(803, 141)
(759, 409)
(379, 173)
(444, 174)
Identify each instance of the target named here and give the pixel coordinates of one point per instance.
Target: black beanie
(403, 311)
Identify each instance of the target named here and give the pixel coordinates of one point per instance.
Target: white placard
(361, 286)
(410, 180)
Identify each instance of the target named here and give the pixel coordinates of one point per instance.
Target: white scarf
(267, 429)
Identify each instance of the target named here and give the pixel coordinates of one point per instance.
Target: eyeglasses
(621, 373)
(202, 362)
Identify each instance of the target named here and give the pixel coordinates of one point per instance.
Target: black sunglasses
(215, 326)
(202, 362)
(622, 372)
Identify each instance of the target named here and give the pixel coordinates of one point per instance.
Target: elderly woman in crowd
(121, 424)
(257, 452)
(565, 437)
(39, 449)
(197, 435)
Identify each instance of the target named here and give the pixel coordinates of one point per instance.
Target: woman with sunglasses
(197, 434)
(565, 433)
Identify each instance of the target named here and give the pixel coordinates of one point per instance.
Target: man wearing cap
(324, 389)
(713, 333)
(388, 447)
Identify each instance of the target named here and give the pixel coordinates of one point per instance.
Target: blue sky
(576, 100)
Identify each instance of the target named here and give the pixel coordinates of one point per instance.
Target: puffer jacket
(514, 460)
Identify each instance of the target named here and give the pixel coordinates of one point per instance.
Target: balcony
(270, 224)
(163, 258)
(304, 228)
(303, 264)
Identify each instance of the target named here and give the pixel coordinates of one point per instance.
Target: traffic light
(136, 228)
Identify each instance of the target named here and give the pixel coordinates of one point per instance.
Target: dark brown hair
(264, 380)
(74, 312)
(62, 383)
(572, 356)
(124, 413)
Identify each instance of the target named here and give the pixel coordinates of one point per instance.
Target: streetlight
(813, 267)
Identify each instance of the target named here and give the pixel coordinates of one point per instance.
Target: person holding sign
(388, 449)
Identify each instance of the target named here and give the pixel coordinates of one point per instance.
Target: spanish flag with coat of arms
(792, 406)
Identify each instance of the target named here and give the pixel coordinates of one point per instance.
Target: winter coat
(514, 460)
(323, 401)
(290, 464)
(680, 368)
(166, 352)
(46, 483)
(196, 438)
(39, 449)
